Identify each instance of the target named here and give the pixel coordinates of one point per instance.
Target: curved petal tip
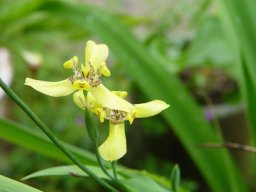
(150, 108)
(54, 89)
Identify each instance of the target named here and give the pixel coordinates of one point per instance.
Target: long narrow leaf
(35, 141)
(10, 185)
(71, 170)
(239, 20)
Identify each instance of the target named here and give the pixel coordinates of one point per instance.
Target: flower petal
(93, 105)
(71, 62)
(55, 89)
(104, 70)
(115, 145)
(88, 50)
(150, 108)
(121, 94)
(110, 100)
(96, 54)
(79, 99)
(81, 84)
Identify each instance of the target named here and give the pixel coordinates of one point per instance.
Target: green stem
(94, 136)
(99, 159)
(113, 163)
(114, 179)
(51, 136)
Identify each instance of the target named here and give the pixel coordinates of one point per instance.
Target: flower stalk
(113, 165)
(93, 133)
(94, 136)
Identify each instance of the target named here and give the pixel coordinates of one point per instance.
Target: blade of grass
(10, 185)
(33, 140)
(239, 20)
(66, 170)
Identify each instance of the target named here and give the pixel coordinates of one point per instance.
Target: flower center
(77, 75)
(115, 116)
(80, 81)
(93, 77)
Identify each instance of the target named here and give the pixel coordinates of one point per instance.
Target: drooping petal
(150, 108)
(96, 54)
(55, 89)
(79, 99)
(114, 147)
(109, 100)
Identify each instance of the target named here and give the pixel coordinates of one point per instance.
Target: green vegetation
(198, 56)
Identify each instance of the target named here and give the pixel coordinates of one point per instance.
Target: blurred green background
(197, 55)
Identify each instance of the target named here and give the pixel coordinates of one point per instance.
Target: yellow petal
(101, 113)
(121, 94)
(71, 62)
(81, 84)
(92, 103)
(115, 145)
(88, 50)
(85, 69)
(96, 54)
(131, 117)
(104, 70)
(55, 89)
(150, 108)
(106, 98)
(79, 99)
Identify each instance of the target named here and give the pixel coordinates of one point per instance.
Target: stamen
(71, 79)
(115, 116)
(92, 77)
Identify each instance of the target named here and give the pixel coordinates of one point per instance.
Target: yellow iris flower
(107, 104)
(85, 78)
(114, 147)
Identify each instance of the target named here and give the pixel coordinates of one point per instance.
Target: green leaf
(92, 129)
(216, 165)
(71, 170)
(35, 141)
(175, 178)
(142, 183)
(9, 185)
(239, 19)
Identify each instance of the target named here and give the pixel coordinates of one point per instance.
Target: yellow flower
(86, 77)
(106, 104)
(114, 147)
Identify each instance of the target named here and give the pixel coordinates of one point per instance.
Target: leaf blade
(10, 185)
